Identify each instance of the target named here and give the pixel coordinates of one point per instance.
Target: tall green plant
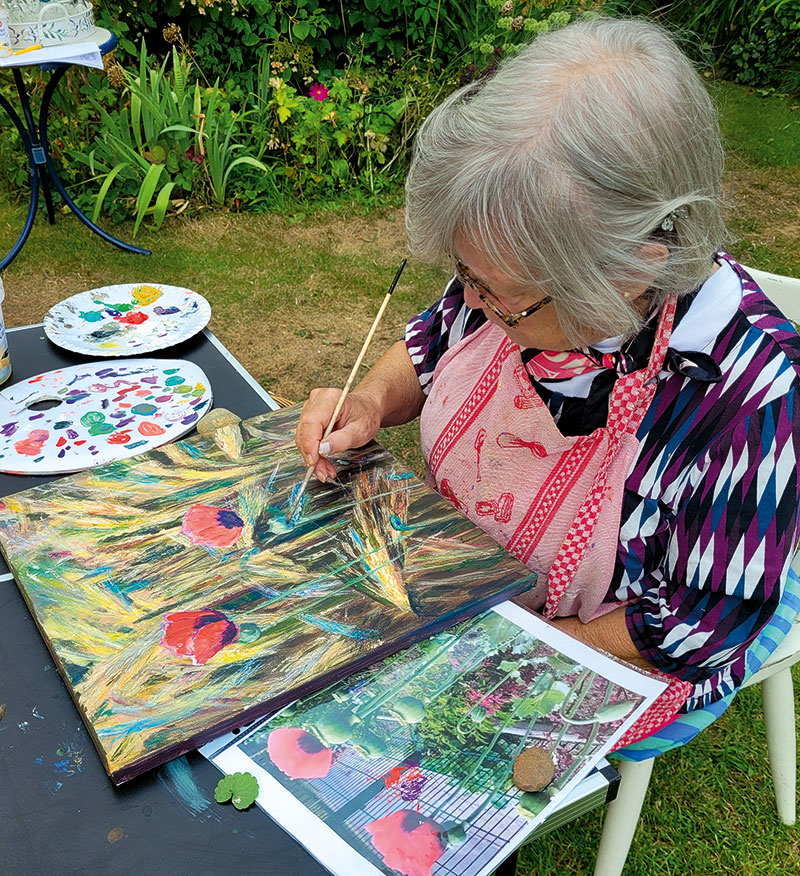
(216, 145)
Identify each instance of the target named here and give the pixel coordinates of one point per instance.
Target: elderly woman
(600, 389)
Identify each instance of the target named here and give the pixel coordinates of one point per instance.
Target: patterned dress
(710, 515)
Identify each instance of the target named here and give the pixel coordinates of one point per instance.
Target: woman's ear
(654, 256)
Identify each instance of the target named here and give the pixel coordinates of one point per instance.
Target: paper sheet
(405, 768)
(83, 54)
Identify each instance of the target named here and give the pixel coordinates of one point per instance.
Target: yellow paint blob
(144, 294)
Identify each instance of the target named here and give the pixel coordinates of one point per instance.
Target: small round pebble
(533, 769)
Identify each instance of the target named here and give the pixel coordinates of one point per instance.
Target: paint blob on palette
(87, 415)
(126, 319)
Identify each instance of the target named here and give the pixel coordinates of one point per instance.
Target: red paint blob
(32, 445)
(135, 317)
(149, 429)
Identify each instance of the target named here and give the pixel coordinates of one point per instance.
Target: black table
(59, 813)
(41, 169)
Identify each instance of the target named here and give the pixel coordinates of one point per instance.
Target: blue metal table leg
(36, 149)
(32, 169)
(43, 111)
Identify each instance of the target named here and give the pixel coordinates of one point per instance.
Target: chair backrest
(788, 652)
(783, 291)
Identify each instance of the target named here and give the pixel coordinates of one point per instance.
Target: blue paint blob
(229, 519)
(144, 410)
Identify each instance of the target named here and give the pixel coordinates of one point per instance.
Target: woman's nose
(471, 299)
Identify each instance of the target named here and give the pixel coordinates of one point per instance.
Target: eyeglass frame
(486, 295)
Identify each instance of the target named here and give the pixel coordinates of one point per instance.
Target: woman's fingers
(314, 419)
(357, 423)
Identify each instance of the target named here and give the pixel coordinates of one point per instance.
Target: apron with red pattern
(493, 449)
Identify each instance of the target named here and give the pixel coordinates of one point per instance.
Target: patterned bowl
(55, 25)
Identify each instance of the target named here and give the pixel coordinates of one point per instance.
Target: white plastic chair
(775, 678)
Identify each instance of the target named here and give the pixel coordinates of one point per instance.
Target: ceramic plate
(126, 319)
(87, 415)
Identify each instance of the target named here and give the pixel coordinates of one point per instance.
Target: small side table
(40, 163)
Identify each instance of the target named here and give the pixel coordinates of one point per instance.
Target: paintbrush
(343, 396)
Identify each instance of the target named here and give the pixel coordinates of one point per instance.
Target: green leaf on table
(240, 788)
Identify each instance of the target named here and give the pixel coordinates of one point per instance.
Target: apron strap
(630, 400)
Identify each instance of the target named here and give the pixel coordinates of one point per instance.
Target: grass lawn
(293, 301)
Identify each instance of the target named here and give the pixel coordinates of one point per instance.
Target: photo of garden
(410, 762)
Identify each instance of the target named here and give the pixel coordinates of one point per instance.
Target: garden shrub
(755, 43)
(258, 104)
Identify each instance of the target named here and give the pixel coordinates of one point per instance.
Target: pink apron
(493, 449)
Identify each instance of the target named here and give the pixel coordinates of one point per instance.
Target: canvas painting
(406, 768)
(178, 600)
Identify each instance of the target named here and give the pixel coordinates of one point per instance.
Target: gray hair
(566, 162)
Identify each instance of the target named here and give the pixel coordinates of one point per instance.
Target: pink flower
(298, 754)
(318, 92)
(408, 842)
(212, 527)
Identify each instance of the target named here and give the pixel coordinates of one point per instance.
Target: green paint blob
(122, 308)
(91, 418)
(249, 633)
(144, 410)
(102, 429)
(182, 390)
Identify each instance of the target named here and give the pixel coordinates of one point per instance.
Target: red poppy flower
(212, 527)
(408, 842)
(197, 634)
(298, 754)
(318, 92)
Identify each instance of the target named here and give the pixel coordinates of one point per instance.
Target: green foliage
(514, 24)
(240, 788)
(754, 43)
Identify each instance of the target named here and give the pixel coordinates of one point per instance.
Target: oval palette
(83, 416)
(126, 319)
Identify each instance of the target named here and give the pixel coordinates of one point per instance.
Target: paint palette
(87, 415)
(126, 319)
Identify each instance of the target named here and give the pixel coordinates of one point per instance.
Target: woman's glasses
(464, 277)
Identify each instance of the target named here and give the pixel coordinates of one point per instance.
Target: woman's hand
(609, 632)
(358, 422)
(388, 395)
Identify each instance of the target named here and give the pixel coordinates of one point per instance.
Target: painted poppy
(408, 842)
(212, 527)
(298, 754)
(197, 634)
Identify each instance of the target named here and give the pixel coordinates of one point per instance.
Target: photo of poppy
(179, 601)
(407, 768)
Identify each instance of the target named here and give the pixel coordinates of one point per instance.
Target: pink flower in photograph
(212, 527)
(408, 842)
(298, 754)
(318, 92)
(197, 634)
